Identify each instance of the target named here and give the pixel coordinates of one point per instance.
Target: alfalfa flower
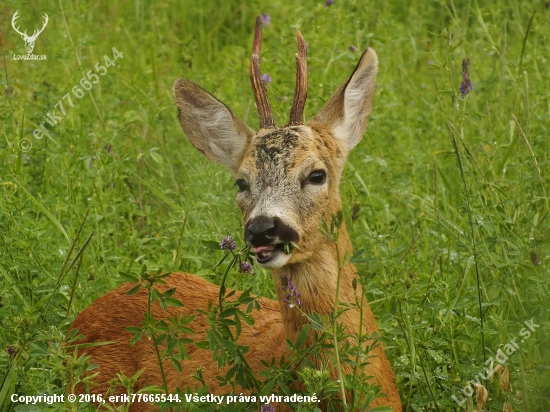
(266, 407)
(266, 78)
(266, 19)
(11, 350)
(245, 267)
(329, 2)
(466, 86)
(293, 296)
(228, 243)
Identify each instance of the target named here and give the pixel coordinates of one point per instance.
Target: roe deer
(287, 180)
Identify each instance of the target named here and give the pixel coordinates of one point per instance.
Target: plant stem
(257, 383)
(359, 333)
(222, 284)
(149, 318)
(335, 313)
(452, 132)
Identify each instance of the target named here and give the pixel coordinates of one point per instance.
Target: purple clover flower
(246, 268)
(293, 296)
(266, 19)
(267, 408)
(353, 48)
(466, 86)
(228, 243)
(266, 78)
(11, 351)
(329, 2)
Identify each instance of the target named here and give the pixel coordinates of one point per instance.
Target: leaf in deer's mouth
(288, 247)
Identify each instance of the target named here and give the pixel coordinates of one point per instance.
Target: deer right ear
(210, 126)
(347, 111)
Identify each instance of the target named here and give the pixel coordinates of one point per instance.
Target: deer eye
(241, 183)
(317, 177)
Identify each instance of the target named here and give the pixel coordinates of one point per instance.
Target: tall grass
(453, 191)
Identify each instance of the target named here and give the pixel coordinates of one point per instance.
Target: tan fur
(275, 163)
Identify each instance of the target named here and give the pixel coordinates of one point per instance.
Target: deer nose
(260, 231)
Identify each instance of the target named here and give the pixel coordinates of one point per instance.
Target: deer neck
(316, 280)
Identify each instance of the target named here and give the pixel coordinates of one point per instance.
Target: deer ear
(210, 126)
(346, 112)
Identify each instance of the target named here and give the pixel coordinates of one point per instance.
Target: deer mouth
(265, 254)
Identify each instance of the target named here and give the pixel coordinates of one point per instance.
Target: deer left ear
(347, 111)
(209, 124)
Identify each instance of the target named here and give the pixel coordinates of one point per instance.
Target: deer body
(288, 181)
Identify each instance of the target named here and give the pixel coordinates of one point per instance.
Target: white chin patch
(278, 261)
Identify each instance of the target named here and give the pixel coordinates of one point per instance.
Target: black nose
(260, 231)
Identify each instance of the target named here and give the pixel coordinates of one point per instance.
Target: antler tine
(300, 94)
(260, 93)
(46, 19)
(14, 18)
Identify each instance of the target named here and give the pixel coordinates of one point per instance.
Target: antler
(260, 93)
(37, 32)
(15, 17)
(300, 94)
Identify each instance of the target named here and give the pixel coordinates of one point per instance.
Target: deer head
(29, 40)
(287, 177)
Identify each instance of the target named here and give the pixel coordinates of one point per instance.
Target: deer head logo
(29, 40)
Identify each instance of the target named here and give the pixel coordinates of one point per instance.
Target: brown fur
(275, 164)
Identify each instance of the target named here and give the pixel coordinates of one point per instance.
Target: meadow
(448, 189)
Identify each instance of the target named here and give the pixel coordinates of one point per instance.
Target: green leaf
(203, 344)
(228, 312)
(355, 259)
(134, 290)
(249, 320)
(302, 337)
(40, 348)
(44, 210)
(133, 329)
(8, 379)
(317, 322)
(435, 355)
(266, 390)
(176, 364)
(128, 277)
(156, 156)
(170, 292)
(160, 339)
(174, 302)
(137, 334)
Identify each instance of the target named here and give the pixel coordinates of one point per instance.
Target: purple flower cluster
(266, 78)
(109, 149)
(246, 267)
(228, 243)
(329, 2)
(353, 48)
(267, 408)
(466, 86)
(292, 295)
(11, 351)
(266, 19)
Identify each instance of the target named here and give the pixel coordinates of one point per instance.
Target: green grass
(453, 192)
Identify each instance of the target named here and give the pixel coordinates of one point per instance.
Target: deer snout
(267, 230)
(260, 231)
